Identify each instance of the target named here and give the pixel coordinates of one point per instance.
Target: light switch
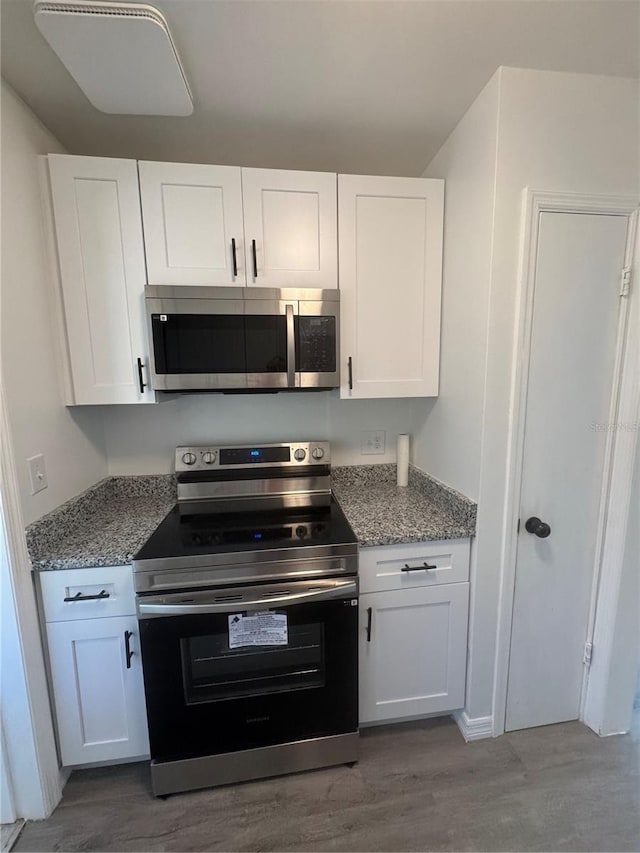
(37, 473)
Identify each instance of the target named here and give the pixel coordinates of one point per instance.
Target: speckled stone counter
(103, 526)
(382, 513)
(108, 523)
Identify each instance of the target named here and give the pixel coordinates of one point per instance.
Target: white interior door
(571, 370)
(193, 229)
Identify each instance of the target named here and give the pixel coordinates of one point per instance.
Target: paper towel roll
(402, 459)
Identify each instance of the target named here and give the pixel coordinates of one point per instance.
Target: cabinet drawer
(403, 566)
(116, 582)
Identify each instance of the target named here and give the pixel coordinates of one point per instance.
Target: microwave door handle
(291, 348)
(340, 590)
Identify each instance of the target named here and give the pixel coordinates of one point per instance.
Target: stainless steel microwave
(243, 338)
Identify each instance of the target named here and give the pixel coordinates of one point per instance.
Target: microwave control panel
(316, 345)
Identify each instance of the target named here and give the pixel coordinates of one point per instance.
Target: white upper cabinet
(98, 224)
(390, 255)
(290, 227)
(193, 228)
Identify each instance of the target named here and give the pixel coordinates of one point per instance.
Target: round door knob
(537, 527)
(189, 458)
(208, 457)
(299, 454)
(317, 453)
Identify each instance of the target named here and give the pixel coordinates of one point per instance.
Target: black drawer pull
(423, 568)
(80, 597)
(369, 620)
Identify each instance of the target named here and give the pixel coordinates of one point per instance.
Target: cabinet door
(290, 226)
(99, 700)
(98, 224)
(412, 652)
(390, 251)
(192, 218)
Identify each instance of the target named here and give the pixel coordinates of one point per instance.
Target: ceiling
(369, 86)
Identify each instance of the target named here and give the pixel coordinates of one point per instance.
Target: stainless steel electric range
(247, 597)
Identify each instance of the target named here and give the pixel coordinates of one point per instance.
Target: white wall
(141, 439)
(621, 687)
(72, 440)
(555, 131)
(448, 430)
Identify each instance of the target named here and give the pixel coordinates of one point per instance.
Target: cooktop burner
(181, 535)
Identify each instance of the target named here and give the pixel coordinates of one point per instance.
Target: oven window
(213, 672)
(219, 343)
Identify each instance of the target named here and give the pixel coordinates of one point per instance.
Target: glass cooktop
(180, 535)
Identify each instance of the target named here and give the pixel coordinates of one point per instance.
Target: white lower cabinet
(413, 648)
(96, 677)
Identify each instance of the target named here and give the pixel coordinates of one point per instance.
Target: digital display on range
(255, 455)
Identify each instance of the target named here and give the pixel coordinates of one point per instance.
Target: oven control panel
(291, 455)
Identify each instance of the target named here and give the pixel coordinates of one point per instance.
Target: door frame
(619, 452)
(31, 757)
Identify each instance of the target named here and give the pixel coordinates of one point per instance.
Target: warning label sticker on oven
(264, 628)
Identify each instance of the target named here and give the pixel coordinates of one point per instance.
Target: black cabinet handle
(141, 381)
(80, 597)
(537, 527)
(350, 366)
(127, 647)
(423, 568)
(254, 255)
(369, 620)
(234, 260)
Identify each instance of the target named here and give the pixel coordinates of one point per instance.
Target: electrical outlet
(37, 473)
(372, 441)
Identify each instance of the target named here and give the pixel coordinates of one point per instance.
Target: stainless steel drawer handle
(423, 568)
(80, 597)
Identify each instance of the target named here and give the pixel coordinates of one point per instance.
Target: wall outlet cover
(372, 441)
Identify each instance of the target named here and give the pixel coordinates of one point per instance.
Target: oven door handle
(344, 590)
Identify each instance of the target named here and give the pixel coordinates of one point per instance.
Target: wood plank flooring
(418, 786)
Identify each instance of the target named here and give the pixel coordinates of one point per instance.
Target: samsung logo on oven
(257, 719)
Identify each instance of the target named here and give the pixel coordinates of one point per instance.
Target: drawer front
(114, 585)
(415, 565)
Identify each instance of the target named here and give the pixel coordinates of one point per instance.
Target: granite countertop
(103, 526)
(109, 523)
(382, 513)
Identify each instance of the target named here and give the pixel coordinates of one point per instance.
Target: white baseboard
(473, 728)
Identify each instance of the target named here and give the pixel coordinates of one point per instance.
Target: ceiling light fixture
(120, 54)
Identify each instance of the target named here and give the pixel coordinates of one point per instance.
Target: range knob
(299, 454)
(189, 458)
(209, 457)
(317, 452)
(301, 531)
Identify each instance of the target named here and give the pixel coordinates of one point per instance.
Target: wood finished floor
(418, 786)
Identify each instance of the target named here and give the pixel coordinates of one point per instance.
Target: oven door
(249, 667)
